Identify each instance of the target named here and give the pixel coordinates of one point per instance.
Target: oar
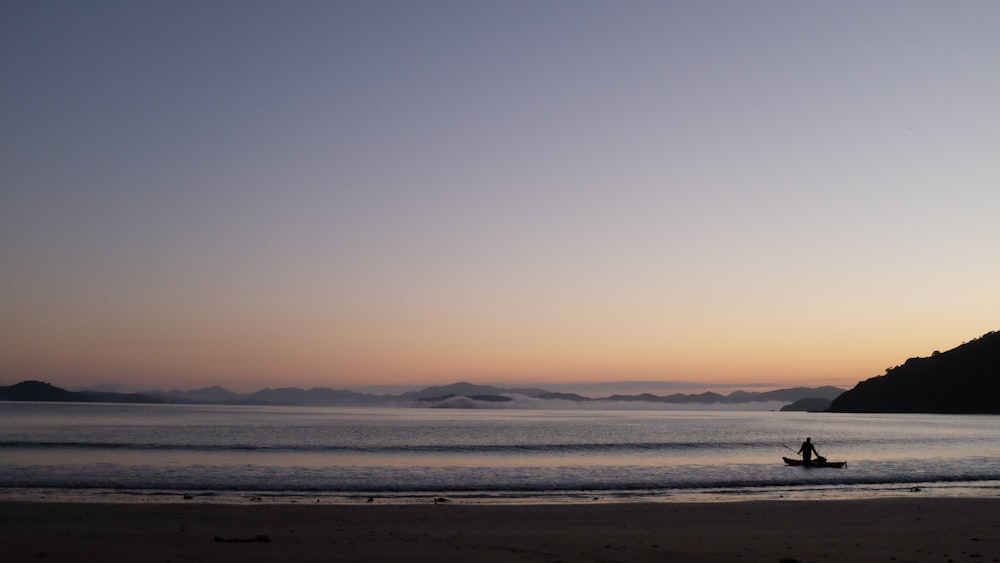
(791, 450)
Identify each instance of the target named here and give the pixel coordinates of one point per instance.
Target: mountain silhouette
(809, 404)
(963, 380)
(40, 391)
(462, 393)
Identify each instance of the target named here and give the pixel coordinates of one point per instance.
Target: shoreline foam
(950, 489)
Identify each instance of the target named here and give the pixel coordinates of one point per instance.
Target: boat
(818, 462)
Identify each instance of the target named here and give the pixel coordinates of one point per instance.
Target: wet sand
(894, 529)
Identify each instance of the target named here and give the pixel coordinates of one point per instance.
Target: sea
(246, 454)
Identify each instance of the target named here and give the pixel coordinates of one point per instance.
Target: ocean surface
(254, 453)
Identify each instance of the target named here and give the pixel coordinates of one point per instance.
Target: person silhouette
(807, 450)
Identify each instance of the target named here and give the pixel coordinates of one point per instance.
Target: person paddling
(807, 450)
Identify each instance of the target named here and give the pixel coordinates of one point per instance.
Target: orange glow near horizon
(256, 355)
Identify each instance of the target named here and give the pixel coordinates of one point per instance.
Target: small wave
(450, 449)
(416, 479)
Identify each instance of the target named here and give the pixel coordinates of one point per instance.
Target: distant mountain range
(456, 395)
(963, 380)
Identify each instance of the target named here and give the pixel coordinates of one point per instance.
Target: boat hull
(815, 463)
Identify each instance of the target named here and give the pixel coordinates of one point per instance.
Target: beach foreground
(893, 529)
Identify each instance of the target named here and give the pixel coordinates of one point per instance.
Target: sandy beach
(894, 529)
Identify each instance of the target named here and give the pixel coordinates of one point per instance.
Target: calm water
(535, 455)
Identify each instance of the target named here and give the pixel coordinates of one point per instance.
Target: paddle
(796, 452)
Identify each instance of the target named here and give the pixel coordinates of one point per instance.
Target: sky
(263, 194)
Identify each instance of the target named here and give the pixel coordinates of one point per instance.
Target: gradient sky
(341, 193)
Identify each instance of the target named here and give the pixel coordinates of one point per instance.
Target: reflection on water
(397, 450)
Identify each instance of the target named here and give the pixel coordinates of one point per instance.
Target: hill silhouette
(809, 404)
(963, 380)
(453, 395)
(40, 391)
